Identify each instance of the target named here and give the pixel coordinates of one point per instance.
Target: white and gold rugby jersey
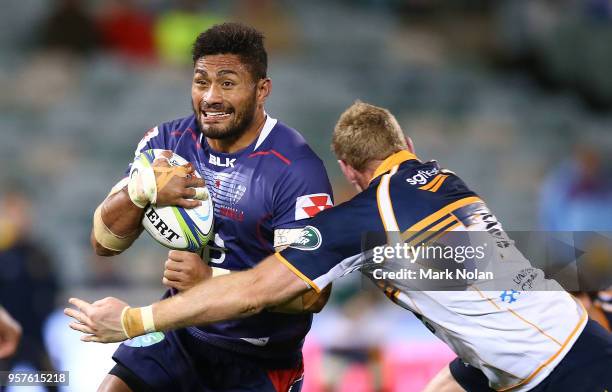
(515, 327)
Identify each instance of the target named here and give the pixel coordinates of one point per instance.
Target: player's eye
(201, 82)
(228, 83)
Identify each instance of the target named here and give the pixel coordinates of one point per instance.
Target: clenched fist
(184, 270)
(175, 184)
(163, 184)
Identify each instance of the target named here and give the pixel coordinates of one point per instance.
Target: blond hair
(365, 133)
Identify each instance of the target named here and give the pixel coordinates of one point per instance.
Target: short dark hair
(234, 38)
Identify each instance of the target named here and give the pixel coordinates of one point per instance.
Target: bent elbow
(99, 250)
(314, 303)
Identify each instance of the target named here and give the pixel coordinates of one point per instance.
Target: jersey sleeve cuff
(309, 282)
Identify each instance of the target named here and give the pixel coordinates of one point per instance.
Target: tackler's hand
(100, 321)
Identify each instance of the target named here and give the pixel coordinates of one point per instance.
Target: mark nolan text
(411, 274)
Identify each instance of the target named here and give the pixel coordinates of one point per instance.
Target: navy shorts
(587, 367)
(160, 362)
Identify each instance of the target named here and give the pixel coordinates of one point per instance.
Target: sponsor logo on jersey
(310, 205)
(285, 237)
(236, 192)
(222, 162)
(509, 296)
(145, 340)
(231, 213)
(422, 176)
(309, 239)
(257, 341)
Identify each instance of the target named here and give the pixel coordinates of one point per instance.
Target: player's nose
(212, 96)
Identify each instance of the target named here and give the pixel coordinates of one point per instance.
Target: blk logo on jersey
(310, 205)
(218, 161)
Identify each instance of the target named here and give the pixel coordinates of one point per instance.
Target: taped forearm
(197, 306)
(137, 321)
(106, 238)
(110, 238)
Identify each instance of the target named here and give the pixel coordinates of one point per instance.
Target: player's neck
(230, 146)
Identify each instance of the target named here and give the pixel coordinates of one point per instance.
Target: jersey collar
(265, 131)
(393, 160)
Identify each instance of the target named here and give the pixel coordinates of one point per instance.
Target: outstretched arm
(238, 295)
(183, 270)
(227, 297)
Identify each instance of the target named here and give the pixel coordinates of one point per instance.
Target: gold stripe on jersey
(552, 358)
(442, 233)
(540, 330)
(438, 184)
(312, 284)
(430, 183)
(441, 213)
(415, 238)
(434, 184)
(580, 323)
(515, 314)
(392, 161)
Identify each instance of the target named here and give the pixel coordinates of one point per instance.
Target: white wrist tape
(141, 186)
(137, 321)
(147, 318)
(216, 271)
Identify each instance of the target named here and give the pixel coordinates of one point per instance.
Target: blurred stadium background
(515, 96)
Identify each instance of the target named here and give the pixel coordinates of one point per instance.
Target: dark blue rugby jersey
(424, 199)
(277, 182)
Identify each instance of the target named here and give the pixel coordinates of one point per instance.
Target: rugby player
(516, 339)
(264, 181)
(10, 334)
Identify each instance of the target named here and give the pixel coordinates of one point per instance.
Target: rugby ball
(176, 227)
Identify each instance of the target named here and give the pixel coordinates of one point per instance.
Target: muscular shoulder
(167, 134)
(285, 144)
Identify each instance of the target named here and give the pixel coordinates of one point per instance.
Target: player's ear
(348, 171)
(264, 88)
(409, 143)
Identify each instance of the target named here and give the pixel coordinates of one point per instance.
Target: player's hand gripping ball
(173, 226)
